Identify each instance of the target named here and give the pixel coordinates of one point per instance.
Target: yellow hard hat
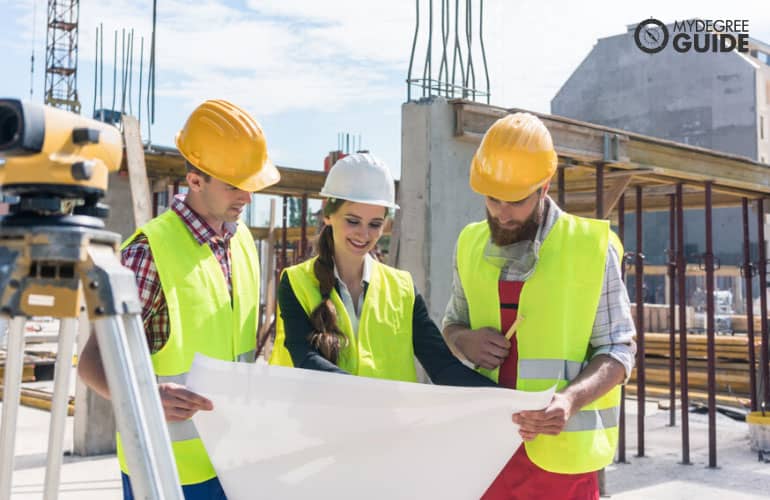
(225, 142)
(516, 157)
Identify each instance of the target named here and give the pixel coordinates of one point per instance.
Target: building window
(762, 56)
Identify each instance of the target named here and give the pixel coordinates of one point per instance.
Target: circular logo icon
(651, 36)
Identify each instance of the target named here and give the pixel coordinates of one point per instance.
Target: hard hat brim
(379, 203)
(267, 176)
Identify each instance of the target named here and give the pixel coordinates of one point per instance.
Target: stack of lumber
(732, 367)
(28, 373)
(656, 318)
(41, 399)
(37, 366)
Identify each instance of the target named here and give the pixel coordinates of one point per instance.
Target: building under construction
(685, 189)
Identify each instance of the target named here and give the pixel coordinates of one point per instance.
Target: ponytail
(326, 336)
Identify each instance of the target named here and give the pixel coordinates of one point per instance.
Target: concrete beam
(572, 139)
(577, 141)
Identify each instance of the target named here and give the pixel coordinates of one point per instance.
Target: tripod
(47, 264)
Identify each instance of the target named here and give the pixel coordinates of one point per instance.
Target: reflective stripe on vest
(182, 431)
(588, 420)
(383, 345)
(203, 317)
(565, 370)
(558, 306)
(558, 369)
(248, 356)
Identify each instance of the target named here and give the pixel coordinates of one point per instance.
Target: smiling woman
(343, 311)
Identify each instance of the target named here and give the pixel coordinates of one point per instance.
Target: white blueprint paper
(285, 433)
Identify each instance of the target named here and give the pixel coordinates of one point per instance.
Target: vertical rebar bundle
(445, 82)
(123, 92)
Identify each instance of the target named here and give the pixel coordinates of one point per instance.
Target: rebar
(411, 56)
(458, 53)
(483, 50)
(443, 69)
(444, 84)
(470, 74)
(426, 69)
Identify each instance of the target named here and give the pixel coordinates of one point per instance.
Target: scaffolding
(61, 55)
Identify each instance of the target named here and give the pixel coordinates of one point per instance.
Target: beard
(526, 231)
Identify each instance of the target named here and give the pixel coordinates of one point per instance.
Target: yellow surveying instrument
(54, 168)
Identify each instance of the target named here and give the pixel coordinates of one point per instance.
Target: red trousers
(521, 479)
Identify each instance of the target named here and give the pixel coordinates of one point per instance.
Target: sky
(310, 70)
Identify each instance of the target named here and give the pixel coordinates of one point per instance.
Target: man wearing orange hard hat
(537, 301)
(197, 270)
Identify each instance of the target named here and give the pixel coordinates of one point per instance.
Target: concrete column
(94, 426)
(436, 200)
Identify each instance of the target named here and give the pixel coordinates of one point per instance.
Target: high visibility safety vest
(557, 308)
(382, 347)
(202, 319)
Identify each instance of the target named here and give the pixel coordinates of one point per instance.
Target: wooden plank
(137, 171)
(42, 400)
(584, 204)
(700, 165)
(726, 382)
(659, 391)
(614, 193)
(693, 270)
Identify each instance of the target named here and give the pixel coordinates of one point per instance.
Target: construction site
(681, 171)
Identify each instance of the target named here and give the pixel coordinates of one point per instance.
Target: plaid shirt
(137, 256)
(613, 330)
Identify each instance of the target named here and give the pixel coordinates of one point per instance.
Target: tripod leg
(67, 329)
(134, 420)
(145, 377)
(14, 365)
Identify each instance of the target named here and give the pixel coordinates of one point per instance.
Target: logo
(698, 35)
(651, 36)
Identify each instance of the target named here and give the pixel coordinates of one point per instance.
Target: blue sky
(308, 70)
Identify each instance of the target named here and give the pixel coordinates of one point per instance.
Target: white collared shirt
(354, 310)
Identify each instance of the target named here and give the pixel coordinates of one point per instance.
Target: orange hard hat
(225, 142)
(516, 158)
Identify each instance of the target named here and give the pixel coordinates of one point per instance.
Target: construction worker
(343, 311)
(551, 283)
(197, 270)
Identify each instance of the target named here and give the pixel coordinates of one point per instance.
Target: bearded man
(537, 301)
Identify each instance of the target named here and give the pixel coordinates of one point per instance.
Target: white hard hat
(361, 178)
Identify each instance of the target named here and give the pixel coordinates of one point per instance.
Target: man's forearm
(450, 334)
(91, 370)
(599, 377)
